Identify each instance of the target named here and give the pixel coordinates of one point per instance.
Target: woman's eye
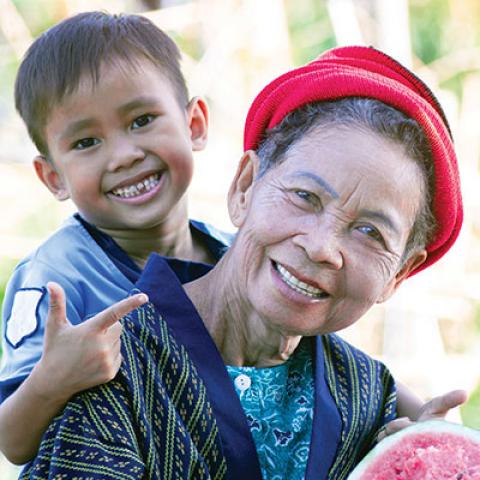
(371, 232)
(142, 120)
(84, 143)
(307, 196)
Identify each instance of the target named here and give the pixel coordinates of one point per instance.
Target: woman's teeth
(298, 285)
(139, 188)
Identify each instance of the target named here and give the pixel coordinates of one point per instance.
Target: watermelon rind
(419, 427)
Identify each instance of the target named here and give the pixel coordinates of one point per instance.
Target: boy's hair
(364, 113)
(55, 63)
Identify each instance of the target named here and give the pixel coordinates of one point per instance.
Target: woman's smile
(305, 287)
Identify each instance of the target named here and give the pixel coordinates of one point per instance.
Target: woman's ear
(413, 262)
(197, 117)
(241, 188)
(50, 177)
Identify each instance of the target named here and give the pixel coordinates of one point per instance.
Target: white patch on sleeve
(24, 316)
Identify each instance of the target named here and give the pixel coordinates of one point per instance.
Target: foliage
(8, 70)
(310, 29)
(477, 318)
(40, 15)
(428, 20)
(470, 412)
(442, 30)
(40, 222)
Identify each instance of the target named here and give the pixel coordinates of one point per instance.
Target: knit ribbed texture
(367, 72)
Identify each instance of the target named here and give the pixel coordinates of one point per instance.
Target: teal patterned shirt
(278, 402)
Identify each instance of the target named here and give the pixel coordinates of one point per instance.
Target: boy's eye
(371, 232)
(85, 143)
(142, 120)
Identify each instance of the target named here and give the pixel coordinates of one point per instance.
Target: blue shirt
(94, 272)
(216, 242)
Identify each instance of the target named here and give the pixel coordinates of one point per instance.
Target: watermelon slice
(433, 450)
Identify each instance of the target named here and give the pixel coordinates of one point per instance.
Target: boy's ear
(410, 265)
(50, 178)
(240, 191)
(197, 116)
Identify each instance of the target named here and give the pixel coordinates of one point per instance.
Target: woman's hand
(435, 409)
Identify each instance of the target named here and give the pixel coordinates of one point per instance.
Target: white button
(243, 382)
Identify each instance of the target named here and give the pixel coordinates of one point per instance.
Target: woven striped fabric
(153, 421)
(364, 392)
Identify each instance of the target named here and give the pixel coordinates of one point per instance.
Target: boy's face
(121, 149)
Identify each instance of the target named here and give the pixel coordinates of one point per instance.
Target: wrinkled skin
(321, 238)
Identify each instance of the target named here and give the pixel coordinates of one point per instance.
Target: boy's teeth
(141, 187)
(298, 285)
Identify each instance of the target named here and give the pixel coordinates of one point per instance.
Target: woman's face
(321, 236)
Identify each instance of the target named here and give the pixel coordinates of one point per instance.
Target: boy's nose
(123, 153)
(322, 244)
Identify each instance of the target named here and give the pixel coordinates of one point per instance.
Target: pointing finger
(113, 314)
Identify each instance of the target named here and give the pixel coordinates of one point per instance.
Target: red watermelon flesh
(434, 450)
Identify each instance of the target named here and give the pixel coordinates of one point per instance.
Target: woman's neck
(240, 334)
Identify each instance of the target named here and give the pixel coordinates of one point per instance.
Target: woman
(348, 185)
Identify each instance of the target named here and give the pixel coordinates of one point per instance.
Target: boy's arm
(74, 358)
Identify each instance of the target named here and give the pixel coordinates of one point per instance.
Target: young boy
(107, 107)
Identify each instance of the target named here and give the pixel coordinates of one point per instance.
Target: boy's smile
(121, 148)
(138, 189)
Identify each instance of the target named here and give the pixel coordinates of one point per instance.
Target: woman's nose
(123, 152)
(322, 244)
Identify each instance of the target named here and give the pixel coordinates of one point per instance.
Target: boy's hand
(77, 357)
(435, 409)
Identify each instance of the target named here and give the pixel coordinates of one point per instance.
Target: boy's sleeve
(25, 309)
(73, 259)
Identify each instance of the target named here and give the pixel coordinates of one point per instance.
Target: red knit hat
(367, 72)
